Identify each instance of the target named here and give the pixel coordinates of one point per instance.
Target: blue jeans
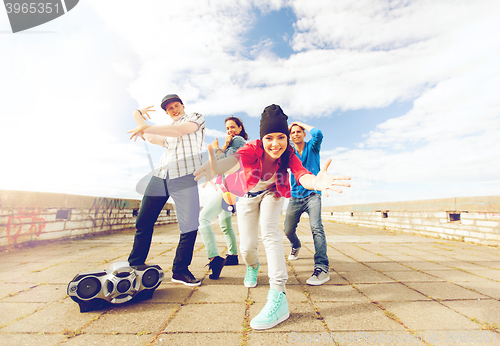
(184, 192)
(312, 206)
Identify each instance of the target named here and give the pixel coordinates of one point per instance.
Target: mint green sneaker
(251, 276)
(274, 312)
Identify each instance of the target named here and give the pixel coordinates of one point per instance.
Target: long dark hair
(285, 158)
(238, 123)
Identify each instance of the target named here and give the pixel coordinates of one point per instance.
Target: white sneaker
(319, 277)
(294, 254)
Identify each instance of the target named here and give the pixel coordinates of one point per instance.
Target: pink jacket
(250, 159)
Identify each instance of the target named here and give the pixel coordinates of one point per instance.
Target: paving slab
(388, 266)
(444, 290)
(424, 265)
(429, 315)
(277, 338)
(336, 293)
(220, 294)
(489, 264)
(488, 289)
(366, 277)
(39, 294)
(382, 337)
(53, 318)
(224, 317)
(136, 318)
(460, 337)
(458, 276)
(351, 316)
(349, 267)
(109, 340)
(412, 276)
(9, 289)
(32, 339)
(12, 312)
(493, 274)
(198, 339)
(484, 311)
(173, 293)
(393, 292)
(400, 258)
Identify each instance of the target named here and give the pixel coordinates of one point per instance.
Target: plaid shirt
(183, 153)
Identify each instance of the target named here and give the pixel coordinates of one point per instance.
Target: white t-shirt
(264, 184)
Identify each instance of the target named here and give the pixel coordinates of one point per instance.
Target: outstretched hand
(325, 181)
(144, 111)
(138, 132)
(207, 169)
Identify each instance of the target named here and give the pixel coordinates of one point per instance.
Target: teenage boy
(183, 142)
(309, 201)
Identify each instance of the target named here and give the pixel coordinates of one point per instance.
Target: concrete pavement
(386, 288)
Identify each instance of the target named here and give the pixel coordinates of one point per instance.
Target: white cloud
(379, 24)
(64, 106)
(214, 133)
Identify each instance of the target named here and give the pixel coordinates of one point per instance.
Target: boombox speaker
(119, 284)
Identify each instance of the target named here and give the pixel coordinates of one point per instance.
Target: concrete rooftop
(386, 288)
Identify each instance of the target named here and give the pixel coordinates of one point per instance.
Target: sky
(405, 92)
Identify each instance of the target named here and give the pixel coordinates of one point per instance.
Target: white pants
(263, 210)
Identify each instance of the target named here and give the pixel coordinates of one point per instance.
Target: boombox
(119, 284)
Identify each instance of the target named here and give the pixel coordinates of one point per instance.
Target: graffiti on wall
(103, 203)
(105, 207)
(25, 223)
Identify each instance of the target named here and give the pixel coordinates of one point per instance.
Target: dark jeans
(312, 206)
(184, 192)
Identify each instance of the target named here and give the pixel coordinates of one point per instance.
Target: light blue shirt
(236, 143)
(310, 161)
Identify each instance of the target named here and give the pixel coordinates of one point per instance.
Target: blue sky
(406, 92)
(275, 27)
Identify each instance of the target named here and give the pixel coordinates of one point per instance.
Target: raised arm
(163, 130)
(215, 167)
(305, 126)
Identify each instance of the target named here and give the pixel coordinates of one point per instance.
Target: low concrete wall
(475, 219)
(30, 217)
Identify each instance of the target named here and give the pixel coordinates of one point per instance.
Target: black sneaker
(216, 264)
(294, 255)
(186, 278)
(232, 260)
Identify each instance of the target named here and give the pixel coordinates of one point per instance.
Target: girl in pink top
(258, 173)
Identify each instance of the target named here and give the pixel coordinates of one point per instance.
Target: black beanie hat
(273, 120)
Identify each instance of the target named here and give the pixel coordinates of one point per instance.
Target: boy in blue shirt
(309, 201)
